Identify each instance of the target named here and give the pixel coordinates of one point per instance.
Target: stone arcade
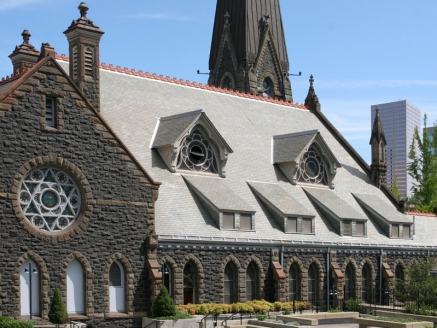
(260, 197)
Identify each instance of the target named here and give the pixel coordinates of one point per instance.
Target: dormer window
(311, 168)
(196, 154)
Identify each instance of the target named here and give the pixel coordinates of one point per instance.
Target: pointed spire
(377, 130)
(24, 55)
(227, 20)
(378, 167)
(312, 101)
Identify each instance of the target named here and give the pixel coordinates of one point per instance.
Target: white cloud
(160, 16)
(358, 84)
(8, 4)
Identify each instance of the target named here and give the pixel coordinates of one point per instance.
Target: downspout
(327, 278)
(282, 257)
(380, 277)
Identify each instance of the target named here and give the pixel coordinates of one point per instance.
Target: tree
(423, 168)
(395, 188)
(58, 311)
(419, 277)
(163, 305)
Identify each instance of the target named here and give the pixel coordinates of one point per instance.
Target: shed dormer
(189, 142)
(305, 158)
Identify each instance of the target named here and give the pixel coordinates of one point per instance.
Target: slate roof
(289, 147)
(332, 203)
(381, 208)
(279, 199)
(133, 103)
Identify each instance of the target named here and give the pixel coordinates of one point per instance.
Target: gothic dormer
(84, 39)
(248, 50)
(378, 143)
(24, 55)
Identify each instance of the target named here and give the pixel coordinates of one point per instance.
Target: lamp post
(332, 293)
(30, 271)
(163, 270)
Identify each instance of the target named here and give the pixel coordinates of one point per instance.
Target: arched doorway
(189, 283)
(116, 288)
(75, 288)
(29, 274)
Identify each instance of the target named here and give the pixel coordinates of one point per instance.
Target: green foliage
(261, 316)
(423, 168)
(420, 282)
(286, 312)
(395, 188)
(354, 305)
(393, 319)
(334, 310)
(420, 309)
(6, 322)
(163, 305)
(58, 311)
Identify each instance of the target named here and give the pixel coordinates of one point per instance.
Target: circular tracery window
(50, 199)
(311, 168)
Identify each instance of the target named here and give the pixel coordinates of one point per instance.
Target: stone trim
(321, 279)
(367, 261)
(128, 283)
(301, 274)
(401, 263)
(276, 92)
(199, 292)
(3, 195)
(107, 202)
(88, 279)
(43, 283)
(261, 276)
(231, 77)
(240, 277)
(52, 160)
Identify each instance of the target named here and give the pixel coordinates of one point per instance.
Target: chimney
(24, 55)
(46, 51)
(84, 39)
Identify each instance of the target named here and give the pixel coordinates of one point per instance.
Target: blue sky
(361, 52)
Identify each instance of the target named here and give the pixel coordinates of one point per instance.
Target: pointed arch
(367, 280)
(260, 276)
(43, 282)
(223, 81)
(313, 290)
(239, 276)
(88, 279)
(128, 282)
(399, 269)
(198, 277)
(294, 261)
(352, 275)
(172, 267)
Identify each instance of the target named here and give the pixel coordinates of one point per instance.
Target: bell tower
(248, 50)
(84, 39)
(378, 167)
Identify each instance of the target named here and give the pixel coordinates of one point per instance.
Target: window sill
(116, 315)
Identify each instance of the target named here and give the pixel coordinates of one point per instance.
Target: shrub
(260, 316)
(354, 305)
(286, 312)
(58, 311)
(163, 305)
(6, 322)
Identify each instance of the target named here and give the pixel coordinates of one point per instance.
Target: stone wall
(119, 200)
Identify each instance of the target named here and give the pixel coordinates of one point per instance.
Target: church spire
(378, 143)
(248, 50)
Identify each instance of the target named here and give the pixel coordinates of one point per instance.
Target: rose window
(311, 168)
(50, 199)
(196, 154)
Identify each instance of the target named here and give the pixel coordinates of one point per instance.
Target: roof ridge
(183, 82)
(14, 76)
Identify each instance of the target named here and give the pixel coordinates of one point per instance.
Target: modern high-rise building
(398, 119)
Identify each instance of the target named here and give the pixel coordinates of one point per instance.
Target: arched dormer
(190, 143)
(305, 158)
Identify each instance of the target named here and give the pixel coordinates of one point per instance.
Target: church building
(225, 192)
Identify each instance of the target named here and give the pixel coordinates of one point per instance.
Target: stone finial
(227, 19)
(376, 109)
(26, 36)
(83, 8)
(311, 81)
(266, 19)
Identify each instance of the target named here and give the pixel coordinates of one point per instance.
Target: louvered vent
(75, 62)
(89, 62)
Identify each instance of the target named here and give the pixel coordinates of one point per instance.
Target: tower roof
(377, 130)
(247, 18)
(25, 47)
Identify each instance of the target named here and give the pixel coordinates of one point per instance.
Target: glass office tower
(398, 119)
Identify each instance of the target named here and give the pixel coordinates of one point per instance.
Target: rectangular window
(291, 224)
(395, 230)
(307, 225)
(347, 228)
(50, 112)
(406, 231)
(359, 229)
(246, 222)
(228, 221)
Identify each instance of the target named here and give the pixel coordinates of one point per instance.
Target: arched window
(294, 283)
(313, 283)
(116, 288)
(399, 272)
(366, 284)
(251, 282)
(230, 284)
(29, 288)
(75, 288)
(267, 88)
(349, 285)
(228, 83)
(190, 292)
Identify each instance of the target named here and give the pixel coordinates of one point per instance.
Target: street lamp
(29, 271)
(163, 269)
(332, 293)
